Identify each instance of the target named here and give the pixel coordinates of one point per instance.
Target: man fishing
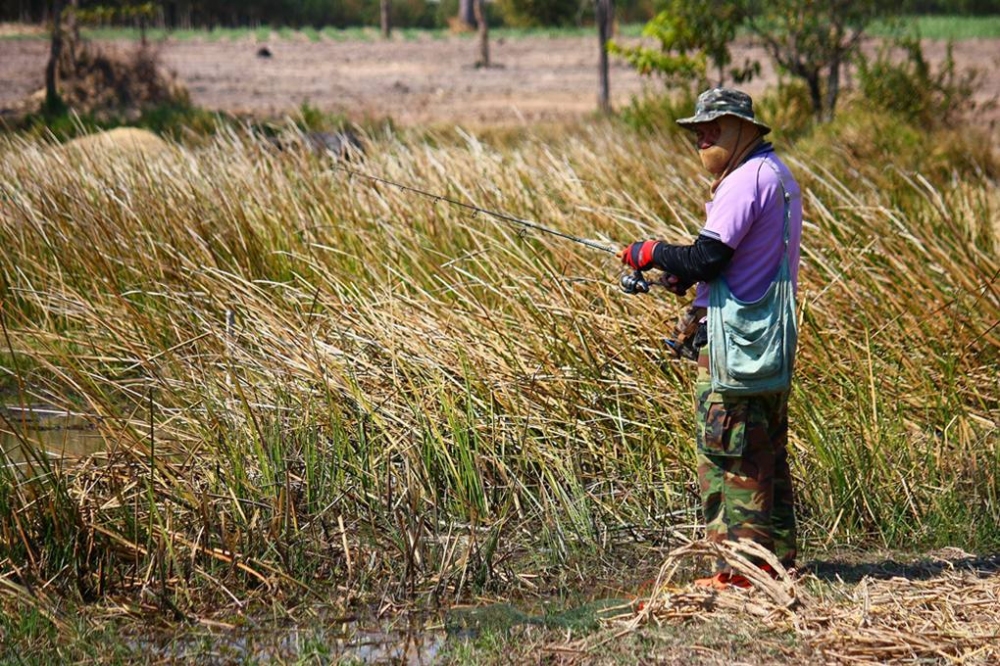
(751, 237)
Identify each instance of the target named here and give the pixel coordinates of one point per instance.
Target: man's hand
(639, 256)
(674, 284)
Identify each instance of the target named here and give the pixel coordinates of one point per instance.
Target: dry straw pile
(948, 614)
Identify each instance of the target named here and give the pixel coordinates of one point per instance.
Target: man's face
(718, 140)
(706, 134)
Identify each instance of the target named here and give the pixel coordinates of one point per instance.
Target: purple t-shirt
(747, 214)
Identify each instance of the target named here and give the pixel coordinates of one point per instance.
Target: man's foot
(794, 572)
(723, 581)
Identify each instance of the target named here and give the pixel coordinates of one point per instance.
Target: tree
(810, 39)
(467, 12)
(72, 30)
(52, 99)
(385, 16)
(605, 19)
(484, 32)
(693, 37)
(814, 39)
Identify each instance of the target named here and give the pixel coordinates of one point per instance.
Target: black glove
(674, 284)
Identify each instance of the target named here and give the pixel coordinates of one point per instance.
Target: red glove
(639, 255)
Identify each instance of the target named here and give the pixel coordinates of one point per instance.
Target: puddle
(411, 639)
(412, 644)
(27, 432)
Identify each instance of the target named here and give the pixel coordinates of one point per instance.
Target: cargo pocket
(721, 423)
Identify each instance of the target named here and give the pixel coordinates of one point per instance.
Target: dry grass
(303, 377)
(950, 616)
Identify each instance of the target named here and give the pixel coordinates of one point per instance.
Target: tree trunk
(484, 33)
(605, 17)
(467, 12)
(815, 93)
(385, 14)
(832, 89)
(72, 29)
(52, 101)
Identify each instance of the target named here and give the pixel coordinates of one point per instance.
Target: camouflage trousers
(743, 473)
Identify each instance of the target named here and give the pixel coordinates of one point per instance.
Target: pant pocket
(721, 423)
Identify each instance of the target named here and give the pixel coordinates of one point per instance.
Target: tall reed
(304, 376)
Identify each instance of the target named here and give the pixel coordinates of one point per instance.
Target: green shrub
(176, 120)
(528, 13)
(910, 89)
(882, 147)
(693, 46)
(653, 112)
(787, 109)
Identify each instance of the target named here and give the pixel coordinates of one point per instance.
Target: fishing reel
(636, 283)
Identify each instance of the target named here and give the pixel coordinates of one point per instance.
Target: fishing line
(500, 216)
(631, 283)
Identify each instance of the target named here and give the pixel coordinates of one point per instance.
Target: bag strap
(785, 196)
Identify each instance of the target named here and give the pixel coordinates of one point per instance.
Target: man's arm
(701, 262)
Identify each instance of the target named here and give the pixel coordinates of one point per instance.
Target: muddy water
(346, 643)
(27, 433)
(411, 639)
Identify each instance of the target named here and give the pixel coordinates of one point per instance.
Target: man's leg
(736, 468)
(743, 471)
(783, 513)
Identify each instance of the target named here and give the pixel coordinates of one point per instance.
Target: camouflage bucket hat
(718, 102)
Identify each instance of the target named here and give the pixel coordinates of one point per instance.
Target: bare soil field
(425, 80)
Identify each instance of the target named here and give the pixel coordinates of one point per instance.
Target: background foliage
(410, 13)
(341, 13)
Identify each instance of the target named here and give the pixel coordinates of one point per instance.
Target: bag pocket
(721, 423)
(754, 351)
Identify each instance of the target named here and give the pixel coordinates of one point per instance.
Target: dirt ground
(417, 80)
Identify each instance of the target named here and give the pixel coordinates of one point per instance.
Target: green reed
(304, 377)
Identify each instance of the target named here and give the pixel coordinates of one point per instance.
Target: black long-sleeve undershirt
(701, 262)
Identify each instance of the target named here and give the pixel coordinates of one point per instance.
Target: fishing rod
(634, 283)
